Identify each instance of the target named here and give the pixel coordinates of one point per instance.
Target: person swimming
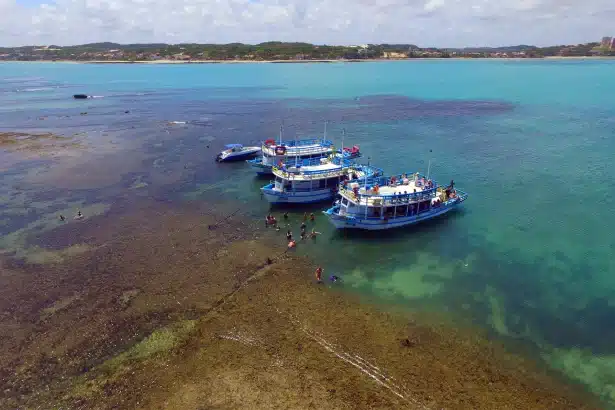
(79, 215)
(334, 278)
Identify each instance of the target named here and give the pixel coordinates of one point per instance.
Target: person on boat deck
(286, 215)
(292, 244)
(312, 217)
(289, 236)
(303, 226)
(305, 216)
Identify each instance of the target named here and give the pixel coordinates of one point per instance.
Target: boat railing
(378, 199)
(309, 141)
(385, 180)
(291, 174)
(299, 143)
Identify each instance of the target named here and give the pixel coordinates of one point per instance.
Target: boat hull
(274, 196)
(239, 157)
(378, 224)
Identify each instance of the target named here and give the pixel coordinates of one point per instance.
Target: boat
(80, 96)
(236, 152)
(390, 202)
(313, 180)
(274, 153)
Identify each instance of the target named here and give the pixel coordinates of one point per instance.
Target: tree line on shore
(282, 51)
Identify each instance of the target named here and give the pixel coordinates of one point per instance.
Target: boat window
(344, 201)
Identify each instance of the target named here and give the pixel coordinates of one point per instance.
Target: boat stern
(273, 195)
(257, 165)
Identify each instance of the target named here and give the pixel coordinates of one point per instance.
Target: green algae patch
(161, 340)
(497, 315)
(58, 305)
(596, 372)
(41, 256)
(16, 243)
(422, 279)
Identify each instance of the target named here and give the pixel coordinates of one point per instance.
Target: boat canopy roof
(233, 146)
(303, 142)
(404, 186)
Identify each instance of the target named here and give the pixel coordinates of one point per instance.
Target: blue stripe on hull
(379, 224)
(275, 197)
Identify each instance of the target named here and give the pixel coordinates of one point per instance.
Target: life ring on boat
(270, 142)
(280, 150)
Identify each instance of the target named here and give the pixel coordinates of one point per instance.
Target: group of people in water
(270, 220)
(77, 217)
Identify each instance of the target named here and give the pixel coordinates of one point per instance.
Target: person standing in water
(312, 217)
(319, 274)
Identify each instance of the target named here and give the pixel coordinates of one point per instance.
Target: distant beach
(315, 61)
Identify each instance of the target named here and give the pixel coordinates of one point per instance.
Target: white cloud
(423, 22)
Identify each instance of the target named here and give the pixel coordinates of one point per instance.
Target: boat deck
(385, 194)
(395, 190)
(299, 150)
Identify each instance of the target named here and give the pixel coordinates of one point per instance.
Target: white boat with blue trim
(237, 152)
(313, 181)
(296, 150)
(390, 202)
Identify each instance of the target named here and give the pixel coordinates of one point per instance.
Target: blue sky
(440, 23)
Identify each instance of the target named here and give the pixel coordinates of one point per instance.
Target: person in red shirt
(319, 274)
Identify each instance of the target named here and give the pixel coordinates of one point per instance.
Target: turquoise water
(529, 257)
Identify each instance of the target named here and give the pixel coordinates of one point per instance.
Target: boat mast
(281, 134)
(342, 147)
(324, 137)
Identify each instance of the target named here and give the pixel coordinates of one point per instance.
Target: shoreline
(174, 311)
(173, 62)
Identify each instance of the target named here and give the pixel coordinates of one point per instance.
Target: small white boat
(237, 152)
